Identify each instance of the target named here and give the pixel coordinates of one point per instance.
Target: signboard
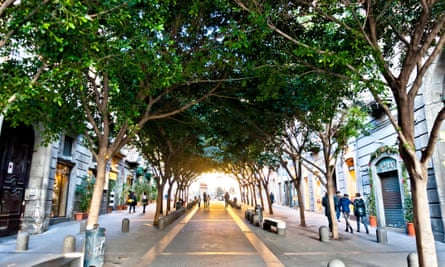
(386, 165)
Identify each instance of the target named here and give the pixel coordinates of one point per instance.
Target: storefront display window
(60, 191)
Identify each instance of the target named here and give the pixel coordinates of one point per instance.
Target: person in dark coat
(272, 198)
(327, 210)
(226, 198)
(132, 201)
(144, 202)
(360, 212)
(337, 208)
(344, 204)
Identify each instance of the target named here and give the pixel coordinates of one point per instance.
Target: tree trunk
(254, 200)
(159, 204)
(169, 196)
(426, 249)
(268, 200)
(300, 203)
(332, 213)
(96, 200)
(260, 192)
(177, 195)
(241, 192)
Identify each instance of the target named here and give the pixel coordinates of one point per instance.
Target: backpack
(359, 207)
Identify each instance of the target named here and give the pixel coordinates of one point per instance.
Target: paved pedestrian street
(210, 237)
(218, 236)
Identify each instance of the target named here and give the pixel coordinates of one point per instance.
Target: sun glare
(215, 184)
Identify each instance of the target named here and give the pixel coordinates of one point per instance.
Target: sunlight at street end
(215, 184)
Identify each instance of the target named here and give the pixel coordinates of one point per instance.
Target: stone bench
(234, 204)
(274, 225)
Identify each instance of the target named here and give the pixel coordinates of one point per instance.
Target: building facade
(371, 164)
(38, 183)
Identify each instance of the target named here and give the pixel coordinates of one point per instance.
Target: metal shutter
(392, 201)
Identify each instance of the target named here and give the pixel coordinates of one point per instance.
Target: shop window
(60, 191)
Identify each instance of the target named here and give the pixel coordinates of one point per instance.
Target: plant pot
(79, 216)
(372, 220)
(410, 229)
(122, 207)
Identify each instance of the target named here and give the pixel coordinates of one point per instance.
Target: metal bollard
(69, 244)
(323, 231)
(125, 225)
(413, 260)
(22, 241)
(382, 236)
(336, 263)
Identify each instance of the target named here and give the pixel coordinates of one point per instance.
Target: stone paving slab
(201, 240)
(300, 246)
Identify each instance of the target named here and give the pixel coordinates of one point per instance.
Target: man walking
(344, 208)
(144, 202)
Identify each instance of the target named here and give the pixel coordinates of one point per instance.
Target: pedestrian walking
(199, 201)
(132, 201)
(144, 202)
(360, 212)
(337, 208)
(272, 198)
(204, 198)
(327, 210)
(226, 198)
(344, 204)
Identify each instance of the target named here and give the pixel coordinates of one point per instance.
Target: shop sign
(386, 165)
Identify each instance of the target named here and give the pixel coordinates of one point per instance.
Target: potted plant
(408, 209)
(371, 206)
(84, 193)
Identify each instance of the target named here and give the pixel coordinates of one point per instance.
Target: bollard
(336, 263)
(281, 228)
(82, 227)
(382, 236)
(413, 260)
(69, 244)
(256, 220)
(22, 241)
(323, 231)
(125, 225)
(161, 223)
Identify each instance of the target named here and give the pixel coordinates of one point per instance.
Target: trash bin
(94, 247)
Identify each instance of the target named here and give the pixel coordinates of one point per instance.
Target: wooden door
(15, 161)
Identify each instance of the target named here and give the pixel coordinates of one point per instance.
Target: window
(68, 146)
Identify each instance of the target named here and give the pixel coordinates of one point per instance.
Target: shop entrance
(60, 191)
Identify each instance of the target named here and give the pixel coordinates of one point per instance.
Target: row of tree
(115, 70)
